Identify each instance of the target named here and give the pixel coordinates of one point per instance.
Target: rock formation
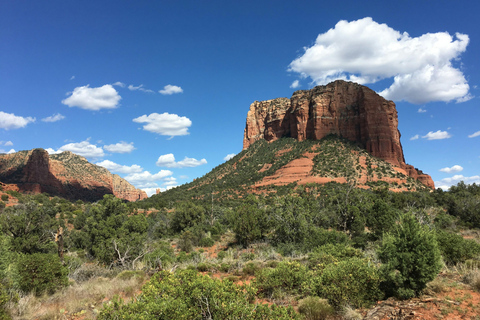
(346, 109)
(66, 175)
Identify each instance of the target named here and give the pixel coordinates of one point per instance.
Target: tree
(410, 257)
(31, 227)
(249, 222)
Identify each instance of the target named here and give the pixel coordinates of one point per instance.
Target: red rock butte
(346, 109)
(66, 175)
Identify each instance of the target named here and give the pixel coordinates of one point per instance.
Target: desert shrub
(162, 255)
(186, 241)
(188, 295)
(410, 258)
(225, 267)
(314, 308)
(4, 197)
(206, 242)
(319, 237)
(250, 268)
(130, 274)
(352, 281)
(288, 276)
(472, 278)
(203, 267)
(331, 253)
(4, 299)
(41, 273)
(221, 255)
(87, 271)
(455, 248)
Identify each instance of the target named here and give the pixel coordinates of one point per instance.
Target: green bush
(41, 273)
(250, 268)
(352, 281)
(4, 299)
(4, 197)
(314, 308)
(206, 242)
(410, 258)
(455, 248)
(287, 277)
(188, 295)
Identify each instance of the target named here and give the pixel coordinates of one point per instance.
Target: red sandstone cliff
(346, 109)
(66, 175)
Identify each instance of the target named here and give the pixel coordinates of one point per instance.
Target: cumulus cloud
(473, 135)
(437, 135)
(147, 180)
(415, 137)
(448, 182)
(114, 167)
(119, 84)
(456, 168)
(140, 88)
(84, 149)
(11, 121)
(229, 156)
(121, 147)
(168, 160)
(104, 97)
(295, 84)
(365, 51)
(6, 143)
(54, 118)
(421, 110)
(169, 89)
(165, 124)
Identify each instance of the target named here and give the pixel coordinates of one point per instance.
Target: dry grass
(84, 299)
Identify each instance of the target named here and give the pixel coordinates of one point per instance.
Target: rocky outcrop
(346, 109)
(66, 175)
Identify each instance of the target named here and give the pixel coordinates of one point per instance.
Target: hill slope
(267, 167)
(66, 175)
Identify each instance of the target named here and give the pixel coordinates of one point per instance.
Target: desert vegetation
(204, 252)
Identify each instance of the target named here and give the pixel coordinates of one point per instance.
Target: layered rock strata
(66, 175)
(346, 109)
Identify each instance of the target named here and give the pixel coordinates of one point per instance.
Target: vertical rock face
(346, 109)
(65, 174)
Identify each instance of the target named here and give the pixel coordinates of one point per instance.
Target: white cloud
(165, 124)
(72, 77)
(10, 121)
(365, 51)
(295, 84)
(168, 160)
(421, 110)
(169, 89)
(473, 135)
(6, 143)
(84, 149)
(437, 135)
(119, 84)
(448, 182)
(456, 168)
(147, 180)
(114, 167)
(415, 137)
(121, 147)
(140, 87)
(54, 118)
(104, 97)
(229, 156)
(7, 152)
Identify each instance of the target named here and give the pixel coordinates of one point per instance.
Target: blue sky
(158, 91)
